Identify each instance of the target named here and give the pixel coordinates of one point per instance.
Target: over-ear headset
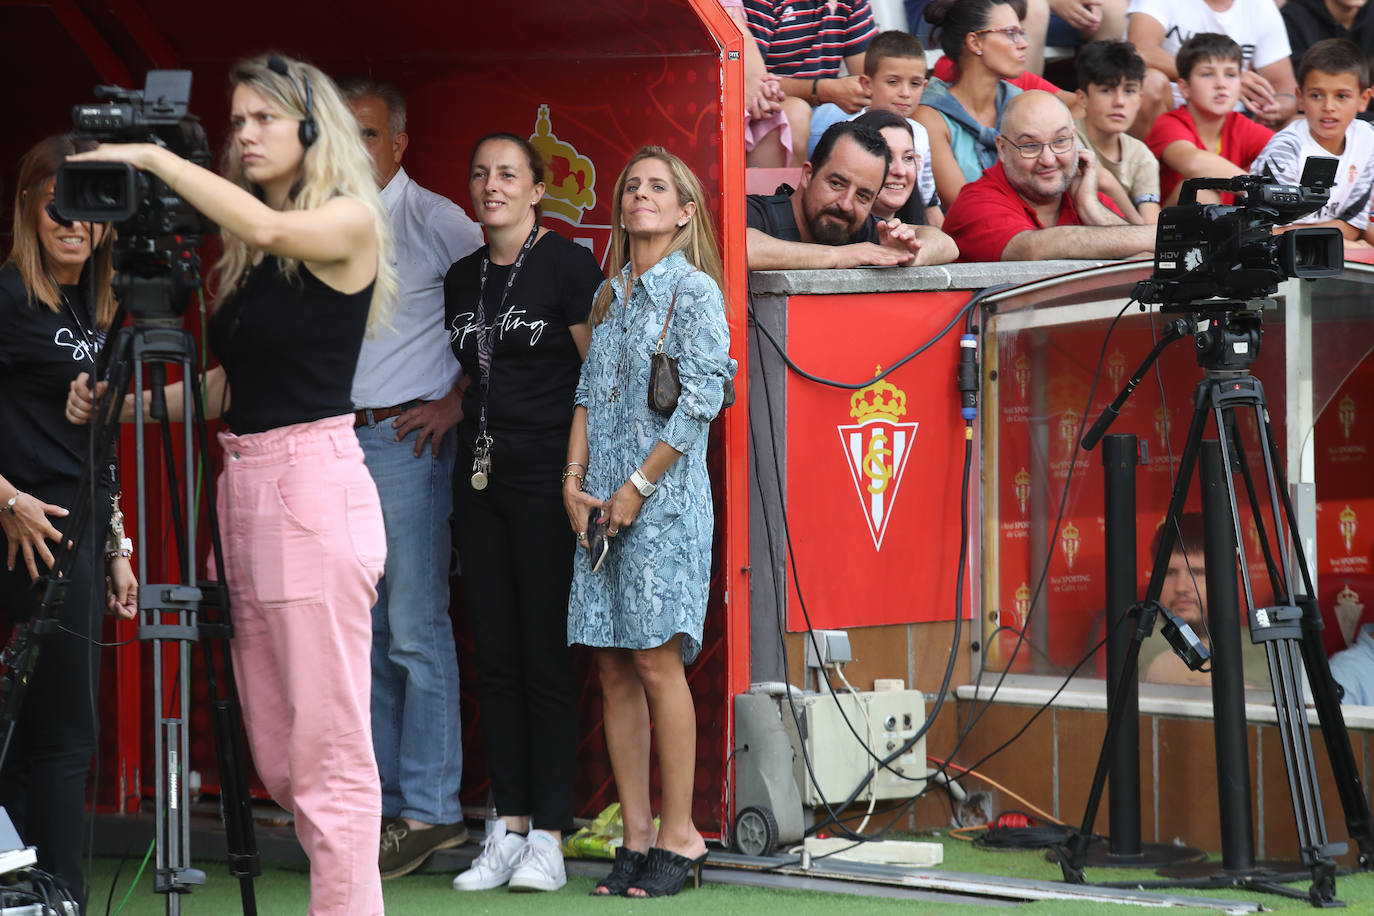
(309, 129)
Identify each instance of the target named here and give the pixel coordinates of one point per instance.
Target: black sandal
(666, 872)
(629, 865)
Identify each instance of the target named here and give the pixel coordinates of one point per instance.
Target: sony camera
(157, 231)
(1204, 251)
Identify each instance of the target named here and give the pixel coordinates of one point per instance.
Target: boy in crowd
(894, 77)
(1205, 138)
(1109, 77)
(1158, 29)
(1334, 81)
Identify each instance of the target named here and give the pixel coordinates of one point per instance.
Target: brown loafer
(404, 849)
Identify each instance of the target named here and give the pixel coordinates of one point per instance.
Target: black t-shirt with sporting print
(772, 214)
(41, 351)
(535, 363)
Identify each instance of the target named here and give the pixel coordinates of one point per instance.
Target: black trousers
(43, 782)
(516, 551)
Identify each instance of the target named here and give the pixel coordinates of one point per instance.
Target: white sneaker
(501, 852)
(541, 864)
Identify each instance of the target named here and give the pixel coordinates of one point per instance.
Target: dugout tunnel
(590, 82)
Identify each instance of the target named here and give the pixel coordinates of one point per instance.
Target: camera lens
(1309, 253)
(101, 192)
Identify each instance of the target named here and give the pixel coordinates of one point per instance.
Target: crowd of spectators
(987, 159)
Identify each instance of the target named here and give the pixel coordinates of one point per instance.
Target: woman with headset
(306, 269)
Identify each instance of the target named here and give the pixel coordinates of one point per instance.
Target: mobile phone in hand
(598, 545)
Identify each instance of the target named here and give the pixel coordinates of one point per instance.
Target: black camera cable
(1169, 456)
(966, 312)
(977, 709)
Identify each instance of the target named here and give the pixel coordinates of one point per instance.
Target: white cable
(868, 720)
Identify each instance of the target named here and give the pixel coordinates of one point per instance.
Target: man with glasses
(1040, 200)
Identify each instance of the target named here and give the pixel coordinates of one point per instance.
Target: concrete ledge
(909, 279)
(1155, 699)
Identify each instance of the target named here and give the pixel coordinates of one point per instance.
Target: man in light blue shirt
(407, 402)
(1353, 669)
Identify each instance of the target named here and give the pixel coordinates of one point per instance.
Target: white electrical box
(833, 646)
(839, 761)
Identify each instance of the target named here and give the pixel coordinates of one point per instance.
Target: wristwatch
(645, 487)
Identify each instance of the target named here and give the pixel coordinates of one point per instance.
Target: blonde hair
(696, 240)
(335, 165)
(37, 168)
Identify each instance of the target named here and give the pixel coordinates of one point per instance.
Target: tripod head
(1231, 340)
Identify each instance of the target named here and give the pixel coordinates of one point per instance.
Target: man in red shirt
(1040, 200)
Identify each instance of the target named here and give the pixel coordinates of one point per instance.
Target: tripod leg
(1278, 627)
(1261, 530)
(236, 804)
(1359, 821)
(1228, 686)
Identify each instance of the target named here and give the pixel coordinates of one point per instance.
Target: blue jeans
(416, 727)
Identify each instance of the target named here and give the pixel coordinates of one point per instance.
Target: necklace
(91, 343)
(620, 363)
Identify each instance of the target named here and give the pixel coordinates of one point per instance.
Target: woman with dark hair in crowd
(987, 42)
(56, 306)
(306, 269)
(517, 317)
(896, 197)
(643, 475)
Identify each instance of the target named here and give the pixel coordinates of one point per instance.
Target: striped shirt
(809, 38)
(1285, 155)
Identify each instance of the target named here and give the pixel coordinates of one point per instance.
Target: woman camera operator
(55, 307)
(306, 267)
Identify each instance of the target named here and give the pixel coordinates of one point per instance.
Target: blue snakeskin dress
(654, 582)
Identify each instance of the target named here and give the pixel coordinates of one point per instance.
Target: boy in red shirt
(1205, 138)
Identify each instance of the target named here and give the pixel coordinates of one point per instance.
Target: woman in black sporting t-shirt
(516, 311)
(306, 267)
(55, 308)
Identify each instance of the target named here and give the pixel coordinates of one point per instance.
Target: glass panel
(1048, 361)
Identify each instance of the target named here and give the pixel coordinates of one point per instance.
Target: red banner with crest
(873, 475)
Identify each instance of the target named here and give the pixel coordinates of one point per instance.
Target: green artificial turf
(285, 891)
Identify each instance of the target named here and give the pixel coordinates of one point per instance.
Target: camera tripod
(171, 616)
(1289, 629)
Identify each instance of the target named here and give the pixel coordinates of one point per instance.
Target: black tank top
(290, 348)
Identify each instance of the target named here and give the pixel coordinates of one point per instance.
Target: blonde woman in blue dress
(645, 476)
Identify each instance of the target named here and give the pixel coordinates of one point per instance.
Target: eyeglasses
(1014, 33)
(1058, 146)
